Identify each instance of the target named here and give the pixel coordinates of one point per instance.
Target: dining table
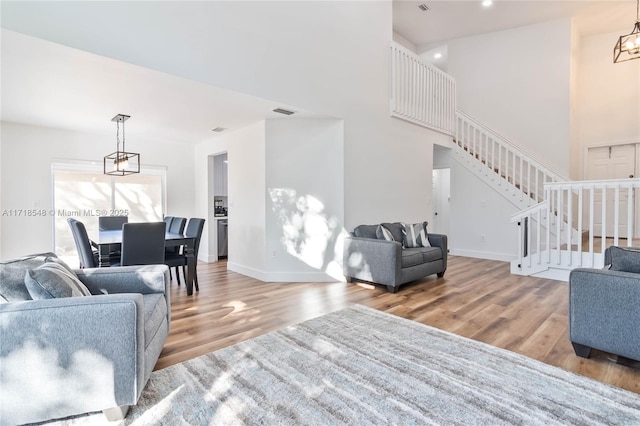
(107, 241)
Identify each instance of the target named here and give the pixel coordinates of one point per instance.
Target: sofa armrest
(603, 310)
(145, 279)
(91, 348)
(373, 260)
(440, 240)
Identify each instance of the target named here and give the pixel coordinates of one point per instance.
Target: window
(83, 192)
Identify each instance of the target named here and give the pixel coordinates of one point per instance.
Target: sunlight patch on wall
(308, 233)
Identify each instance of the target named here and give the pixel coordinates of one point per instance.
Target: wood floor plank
(478, 299)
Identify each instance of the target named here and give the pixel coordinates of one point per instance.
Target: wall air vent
(283, 111)
(423, 7)
(219, 129)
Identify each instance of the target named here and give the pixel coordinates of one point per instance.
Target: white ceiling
(452, 19)
(47, 84)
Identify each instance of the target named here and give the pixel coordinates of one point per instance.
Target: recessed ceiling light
(438, 55)
(487, 3)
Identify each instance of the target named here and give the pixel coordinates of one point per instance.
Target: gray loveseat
(70, 355)
(370, 257)
(604, 305)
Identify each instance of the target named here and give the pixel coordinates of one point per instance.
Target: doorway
(218, 195)
(611, 162)
(441, 192)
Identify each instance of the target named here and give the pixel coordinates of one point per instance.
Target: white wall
(477, 210)
(324, 57)
(245, 150)
(403, 41)
(517, 82)
(305, 199)
(27, 153)
(608, 107)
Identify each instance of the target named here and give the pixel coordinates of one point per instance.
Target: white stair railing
(597, 214)
(556, 213)
(512, 169)
(420, 92)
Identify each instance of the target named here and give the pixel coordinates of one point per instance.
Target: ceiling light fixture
(438, 55)
(121, 163)
(487, 3)
(628, 46)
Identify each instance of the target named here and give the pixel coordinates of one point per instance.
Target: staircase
(561, 224)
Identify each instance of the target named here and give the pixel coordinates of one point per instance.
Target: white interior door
(441, 197)
(611, 162)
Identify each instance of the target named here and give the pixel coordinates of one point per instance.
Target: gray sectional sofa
(368, 256)
(77, 348)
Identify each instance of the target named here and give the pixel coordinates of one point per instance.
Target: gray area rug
(362, 366)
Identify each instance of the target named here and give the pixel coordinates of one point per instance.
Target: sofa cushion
(415, 235)
(51, 281)
(430, 254)
(12, 272)
(365, 231)
(625, 259)
(411, 257)
(395, 229)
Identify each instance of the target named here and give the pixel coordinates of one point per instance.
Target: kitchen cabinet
(220, 175)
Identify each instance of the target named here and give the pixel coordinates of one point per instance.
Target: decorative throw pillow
(52, 280)
(366, 231)
(625, 259)
(384, 234)
(415, 235)
(396, 230)
(56, 259)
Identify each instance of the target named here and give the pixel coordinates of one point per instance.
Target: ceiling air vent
(219, 129)
(283, 111)
(423, 7)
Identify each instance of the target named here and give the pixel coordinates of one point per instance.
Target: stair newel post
(580, 201)
(591, 220)
(569, 223)
(603, 230)
(616, 215)
(630, 221)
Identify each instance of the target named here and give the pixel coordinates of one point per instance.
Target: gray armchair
(604, 306)
(72, 355)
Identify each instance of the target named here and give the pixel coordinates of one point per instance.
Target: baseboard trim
(281, 277)
(503, 257)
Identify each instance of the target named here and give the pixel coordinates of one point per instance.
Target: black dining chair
(176, 227)
(88, 258)
(167, 222)
(194, 229)
(112, 223)
(143, 243)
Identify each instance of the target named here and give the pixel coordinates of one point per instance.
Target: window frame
(83, 166)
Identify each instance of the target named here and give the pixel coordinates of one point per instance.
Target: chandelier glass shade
(628, 46)
(121, 162)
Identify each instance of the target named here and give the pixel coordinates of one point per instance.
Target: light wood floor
(478, 299)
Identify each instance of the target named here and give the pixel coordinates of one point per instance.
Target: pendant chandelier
(121, 162)
(628, 46)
